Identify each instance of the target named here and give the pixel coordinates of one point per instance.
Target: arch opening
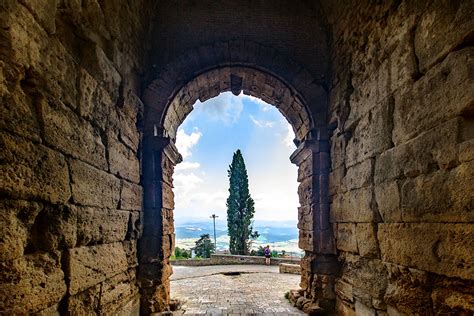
(207, 140)
(161, 155)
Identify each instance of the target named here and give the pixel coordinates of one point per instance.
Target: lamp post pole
(213, 216)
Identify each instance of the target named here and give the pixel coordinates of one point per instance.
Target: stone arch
(250, 81)
(255, 69)
(259, 71)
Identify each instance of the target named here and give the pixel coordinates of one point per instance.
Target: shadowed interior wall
(402, 190)
(71, 200)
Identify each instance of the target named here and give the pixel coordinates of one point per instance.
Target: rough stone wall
(69, 168)
(402, 176)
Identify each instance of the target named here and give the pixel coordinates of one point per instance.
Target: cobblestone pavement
(257, 290)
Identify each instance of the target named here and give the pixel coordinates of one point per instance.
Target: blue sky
(207, 139)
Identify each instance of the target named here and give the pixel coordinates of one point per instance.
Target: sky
(207, 139)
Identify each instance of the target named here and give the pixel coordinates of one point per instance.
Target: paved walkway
(257, 290)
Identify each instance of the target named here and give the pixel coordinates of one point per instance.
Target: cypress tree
(240, 208)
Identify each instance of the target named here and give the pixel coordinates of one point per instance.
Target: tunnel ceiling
(299, 32)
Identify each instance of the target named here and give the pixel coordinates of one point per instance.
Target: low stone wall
(290, 268)
(231, 259)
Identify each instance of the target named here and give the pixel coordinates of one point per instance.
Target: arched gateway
(202, 74)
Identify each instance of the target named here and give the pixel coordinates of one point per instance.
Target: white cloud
(186, 165)
(184, 142)
(290, 135)
(264, 105)
(225, 108)
(186, 182)
(261, 123)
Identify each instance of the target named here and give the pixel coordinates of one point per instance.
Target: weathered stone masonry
(380, 96)
(71, 199)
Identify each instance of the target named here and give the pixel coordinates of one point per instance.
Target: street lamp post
(213, 216)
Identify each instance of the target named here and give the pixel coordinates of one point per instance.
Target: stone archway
(281, 82)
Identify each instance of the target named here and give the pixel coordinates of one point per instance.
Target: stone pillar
(319, 267)
(156, 245)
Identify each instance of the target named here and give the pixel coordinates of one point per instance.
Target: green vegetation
(204, 246)
(240, 208)
(181, 253)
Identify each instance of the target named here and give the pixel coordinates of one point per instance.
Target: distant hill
(281, 235)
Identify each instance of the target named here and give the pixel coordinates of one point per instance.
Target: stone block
(322, 287)
(336, 180)
(131, 196)
(54, 228)
(453, 295)
(289, 268)
(167, 196)
(396, 69)
(344, 290)
(359, 175)
(435, 247)
(117, 291)
(443, 26)
(338, 150)
(409, 290)
(130, 247)
(435, 148)
(346, 237)
(32, 171)
(367, 243)
(135, 225)
(102, 69)
(31, 283)
(442, 196)
(50, 311)
(344, 309)
(94, 187)
(70, 134)
(307, 168)
(387, 196)
(17, 113)
(323, 264)
(123, 161)
(104, 113)
(305, 217)
(17, 218)
(308, 191)
(87, 86)
(444, 92)
(44, 12)
(86, 302)
(89, 266)
(95, 225)
(354, 206)
(372, 134)
(368, 277)
(128, 133)
(306, 240)
(466, 151)
(363, 310)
